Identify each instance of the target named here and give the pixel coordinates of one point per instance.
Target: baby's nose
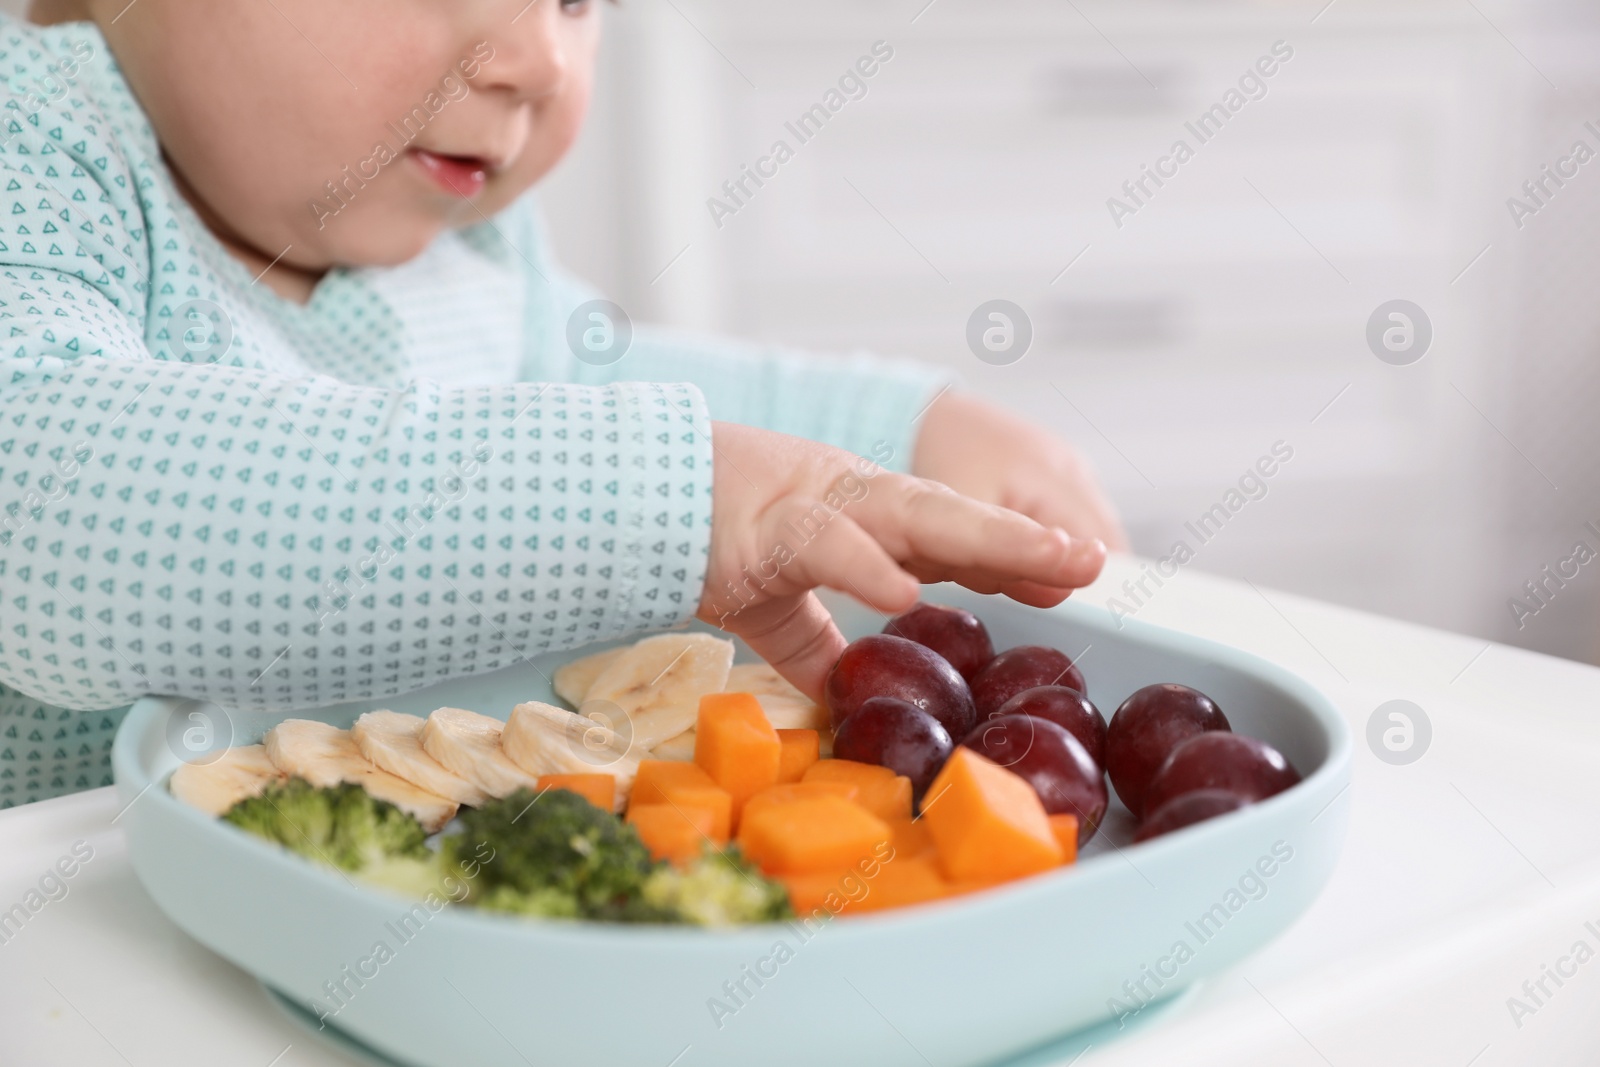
(533, 59)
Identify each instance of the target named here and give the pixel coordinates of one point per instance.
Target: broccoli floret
(718, 889)
(554, 854)
(342, 826)
(291, 813)
(551, 855)
(416, 879)
(367, 831)
(547, 903)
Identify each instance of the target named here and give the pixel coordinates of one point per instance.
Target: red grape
(1146, 728)
(882, 665)
(1051, 760)
(956, 635)
(1016, 669)
(1188, 809)
(1065, 707)
(1247, 766)
(896, 735)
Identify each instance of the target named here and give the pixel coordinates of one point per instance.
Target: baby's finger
(917, 521)
(1035, 595)
(1031, 593)
(846, 558)
(795, 634)
(1078, 508)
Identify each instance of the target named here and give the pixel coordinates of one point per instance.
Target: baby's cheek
(553, 128)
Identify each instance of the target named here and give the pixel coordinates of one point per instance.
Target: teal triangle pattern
(209, 492)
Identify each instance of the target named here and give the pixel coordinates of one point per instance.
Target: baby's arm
(902, 414)
(267, 541)
(270, 540)
(861, 403)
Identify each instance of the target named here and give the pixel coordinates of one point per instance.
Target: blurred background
(1230, 308)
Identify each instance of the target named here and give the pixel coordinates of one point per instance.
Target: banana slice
(679, 748)
(237, 774)
(654, 688)
(761, 680)
(468, 744)
(394, 742)
(572, 680)
(542, 739)
(787, 708)
(326, 755)
(791, 713)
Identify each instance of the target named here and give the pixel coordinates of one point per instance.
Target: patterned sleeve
(272, 541)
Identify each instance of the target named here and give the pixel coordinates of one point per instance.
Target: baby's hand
(790, 515)
(991, 455)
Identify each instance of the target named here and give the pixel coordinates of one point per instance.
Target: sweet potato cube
(878, 789)
(687, 786)
(845, 770)
(987, 822)
(895, 884)
(1065, 827)
(801, 748)
(911, 838)
(789, 792)
(887, 799)
(905, 880)
(831, 892)
(736, 745)
(673, 833)
(598, 789)
(811, 892)
(960, 889)
(656, 778)
(825, 833)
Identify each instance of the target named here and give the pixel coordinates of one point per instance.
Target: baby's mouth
(463, 176)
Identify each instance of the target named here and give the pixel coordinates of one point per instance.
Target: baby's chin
(389, 235)
(380, 243)
(389, 249)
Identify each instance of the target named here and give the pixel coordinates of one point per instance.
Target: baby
(299, 410)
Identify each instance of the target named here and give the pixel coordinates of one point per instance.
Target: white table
(1464, 874)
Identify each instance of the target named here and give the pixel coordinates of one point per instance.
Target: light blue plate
(1061, 1052)
(968, 981)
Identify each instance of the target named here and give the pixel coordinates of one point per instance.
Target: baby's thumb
(795, 634)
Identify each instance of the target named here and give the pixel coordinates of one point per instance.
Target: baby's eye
(574, 7)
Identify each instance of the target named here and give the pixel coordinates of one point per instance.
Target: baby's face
(422, 114)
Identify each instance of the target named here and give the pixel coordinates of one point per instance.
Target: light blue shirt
(209, 491)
